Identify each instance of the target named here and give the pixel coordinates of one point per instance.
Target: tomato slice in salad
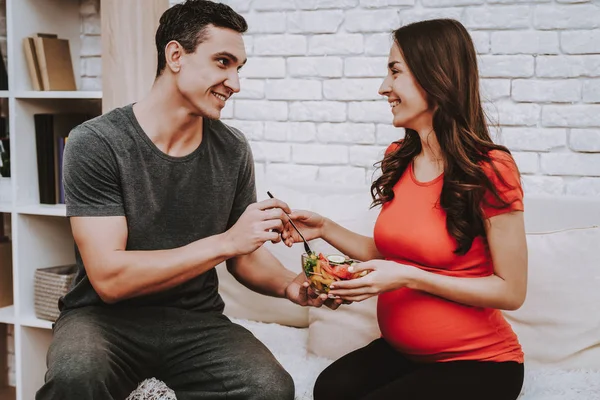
(341, 271)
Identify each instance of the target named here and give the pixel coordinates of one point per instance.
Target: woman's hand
(309, 223)
(383, 277)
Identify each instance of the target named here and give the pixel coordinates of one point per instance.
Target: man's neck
(168, 123)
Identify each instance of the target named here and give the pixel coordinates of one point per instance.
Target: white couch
(558, 326)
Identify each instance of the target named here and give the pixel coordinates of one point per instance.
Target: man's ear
(173, 55)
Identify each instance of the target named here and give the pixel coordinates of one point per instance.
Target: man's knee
(69, 379)
(271, 382)
(79, 367)
(73, 376)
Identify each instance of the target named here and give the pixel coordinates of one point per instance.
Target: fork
(306, 246)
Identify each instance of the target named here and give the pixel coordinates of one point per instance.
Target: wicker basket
(50, 285)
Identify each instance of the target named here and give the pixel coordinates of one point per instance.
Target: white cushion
(333, 334)
(544, 213)
(241, 302)
(559, 324)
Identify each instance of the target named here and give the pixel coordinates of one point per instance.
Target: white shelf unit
(36, 94)
(41, 235)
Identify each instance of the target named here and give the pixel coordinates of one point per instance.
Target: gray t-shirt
(112, 168)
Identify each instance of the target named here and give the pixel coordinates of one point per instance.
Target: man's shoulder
(230, 139)
(100, 134)
(107, 124)
(228, 132)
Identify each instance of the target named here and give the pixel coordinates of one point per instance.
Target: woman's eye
(394, 72)
(222, 61)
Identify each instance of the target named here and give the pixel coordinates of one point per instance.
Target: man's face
(209, 76)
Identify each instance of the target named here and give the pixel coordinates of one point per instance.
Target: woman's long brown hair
(441, 56)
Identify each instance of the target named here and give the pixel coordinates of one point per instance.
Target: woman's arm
(505, 289)
(350, 243)
(313, 225)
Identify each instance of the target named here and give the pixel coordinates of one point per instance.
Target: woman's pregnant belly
(428, 328)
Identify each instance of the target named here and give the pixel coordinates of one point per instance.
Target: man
(158, 193)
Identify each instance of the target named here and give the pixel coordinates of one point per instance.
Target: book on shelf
(51, 135)
(32, 63)
(6, 289)
(3, 73)
(49, 62)
(4, 149)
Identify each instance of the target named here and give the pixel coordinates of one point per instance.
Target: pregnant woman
(448, 250)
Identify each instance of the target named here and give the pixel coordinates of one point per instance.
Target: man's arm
(261, 272)
(118, 274)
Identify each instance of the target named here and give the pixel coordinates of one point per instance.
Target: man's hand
(299, 292)
(259, 223)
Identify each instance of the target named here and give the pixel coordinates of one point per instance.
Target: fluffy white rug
(152, 389)
(289, 347)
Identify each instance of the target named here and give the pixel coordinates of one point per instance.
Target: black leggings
(378, 372)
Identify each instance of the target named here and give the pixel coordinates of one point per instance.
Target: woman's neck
(430, 147)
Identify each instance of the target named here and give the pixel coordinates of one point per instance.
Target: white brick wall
(91, 47)
(309, 101)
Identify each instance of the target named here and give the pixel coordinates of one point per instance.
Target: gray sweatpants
(103, 353)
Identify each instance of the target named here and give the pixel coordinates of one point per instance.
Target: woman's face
(407, 98)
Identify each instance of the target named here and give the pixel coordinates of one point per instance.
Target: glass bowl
(322, 270)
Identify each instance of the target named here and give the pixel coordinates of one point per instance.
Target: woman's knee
(333, 383)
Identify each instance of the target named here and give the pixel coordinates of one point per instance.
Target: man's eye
(223, 61)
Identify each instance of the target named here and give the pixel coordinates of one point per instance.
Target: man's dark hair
(187, 22)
